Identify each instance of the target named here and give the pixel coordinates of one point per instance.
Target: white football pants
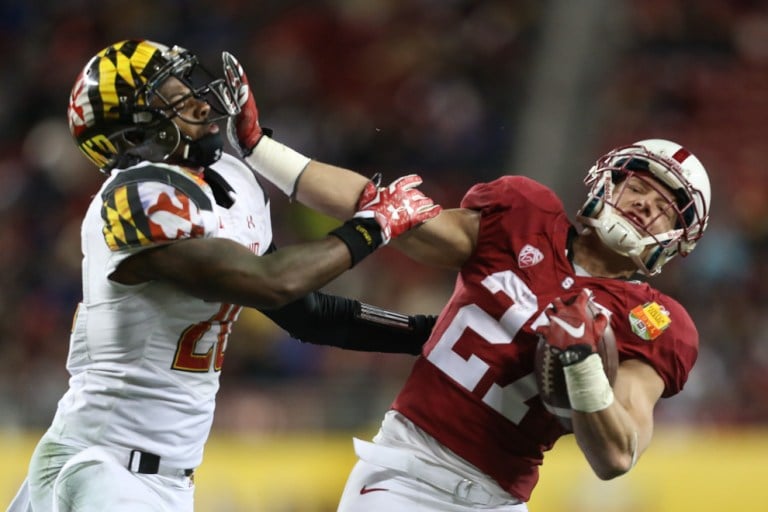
(94, 481)
(387, 480)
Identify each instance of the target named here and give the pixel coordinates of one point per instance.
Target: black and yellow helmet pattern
(111, 96)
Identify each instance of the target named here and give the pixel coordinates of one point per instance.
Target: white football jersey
(145, 360)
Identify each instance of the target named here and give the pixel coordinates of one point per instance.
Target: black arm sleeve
(323, 319)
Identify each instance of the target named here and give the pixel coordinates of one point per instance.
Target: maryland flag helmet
(116, 114)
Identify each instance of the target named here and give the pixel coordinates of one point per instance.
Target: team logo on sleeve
(649, 320)
(529, 256)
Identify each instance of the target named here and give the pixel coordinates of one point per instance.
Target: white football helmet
(673, 168)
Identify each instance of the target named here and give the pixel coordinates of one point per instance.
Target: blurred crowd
(397, 86)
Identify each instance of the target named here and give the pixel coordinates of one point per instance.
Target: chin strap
(202, 152)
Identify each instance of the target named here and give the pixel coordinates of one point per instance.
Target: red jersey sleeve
(660, 332)
(512, 192)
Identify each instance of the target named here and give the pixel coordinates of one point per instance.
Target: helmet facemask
(202, 84)
(655, 163)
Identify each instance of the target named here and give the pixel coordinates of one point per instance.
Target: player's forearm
(219, 270)
(446, 241)
(293, 272)
(324, 319)
(609, 440)
(323, 187)
(329, 189)
(604, 429)
(613, 438)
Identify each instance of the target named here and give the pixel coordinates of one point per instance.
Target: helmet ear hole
(155, 142)
(134, 137)
(167, 136)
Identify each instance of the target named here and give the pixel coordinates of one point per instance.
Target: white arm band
(278, 163)
(588, 387)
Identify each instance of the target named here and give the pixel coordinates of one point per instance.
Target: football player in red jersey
(177, 240)
(469, 429)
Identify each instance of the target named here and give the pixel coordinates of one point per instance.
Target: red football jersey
(473, 388)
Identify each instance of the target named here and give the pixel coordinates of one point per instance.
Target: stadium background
(458, 91)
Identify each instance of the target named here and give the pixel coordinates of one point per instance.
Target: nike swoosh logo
(576, 332)
(366, 490)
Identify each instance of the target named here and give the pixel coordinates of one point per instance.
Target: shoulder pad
(154, 204)
(161, 174)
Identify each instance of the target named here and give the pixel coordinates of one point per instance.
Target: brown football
(551, 380)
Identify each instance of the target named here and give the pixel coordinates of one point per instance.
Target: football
(551, 380)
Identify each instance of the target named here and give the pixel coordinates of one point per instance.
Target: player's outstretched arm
(221, 270)
(326, 188)
(224, 271)
(446, 241)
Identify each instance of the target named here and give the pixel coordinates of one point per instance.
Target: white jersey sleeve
(154, 204)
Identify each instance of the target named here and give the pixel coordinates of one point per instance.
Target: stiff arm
(446, 241)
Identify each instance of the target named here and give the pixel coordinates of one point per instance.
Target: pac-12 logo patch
(529, 256)
(649, 320)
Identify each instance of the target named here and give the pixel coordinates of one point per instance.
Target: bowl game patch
(649, 320)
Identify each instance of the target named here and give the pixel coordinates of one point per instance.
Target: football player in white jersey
(177, 240)
(469, 429)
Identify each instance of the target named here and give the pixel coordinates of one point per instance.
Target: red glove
(243, 130)
(575, 327)
(398, 207)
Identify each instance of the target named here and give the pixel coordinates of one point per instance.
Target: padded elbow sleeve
(323, 319)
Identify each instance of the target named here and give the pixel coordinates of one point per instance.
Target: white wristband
(278, 163)
(588, 387)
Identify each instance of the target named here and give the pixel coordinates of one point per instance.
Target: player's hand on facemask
(397, 207)
(243, 129)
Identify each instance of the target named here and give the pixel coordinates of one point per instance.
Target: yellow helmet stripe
(126, 63)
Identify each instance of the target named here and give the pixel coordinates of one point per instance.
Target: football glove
(575, 327)
(397, 207)
(243, 129)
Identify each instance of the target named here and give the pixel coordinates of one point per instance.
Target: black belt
(149, 464)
